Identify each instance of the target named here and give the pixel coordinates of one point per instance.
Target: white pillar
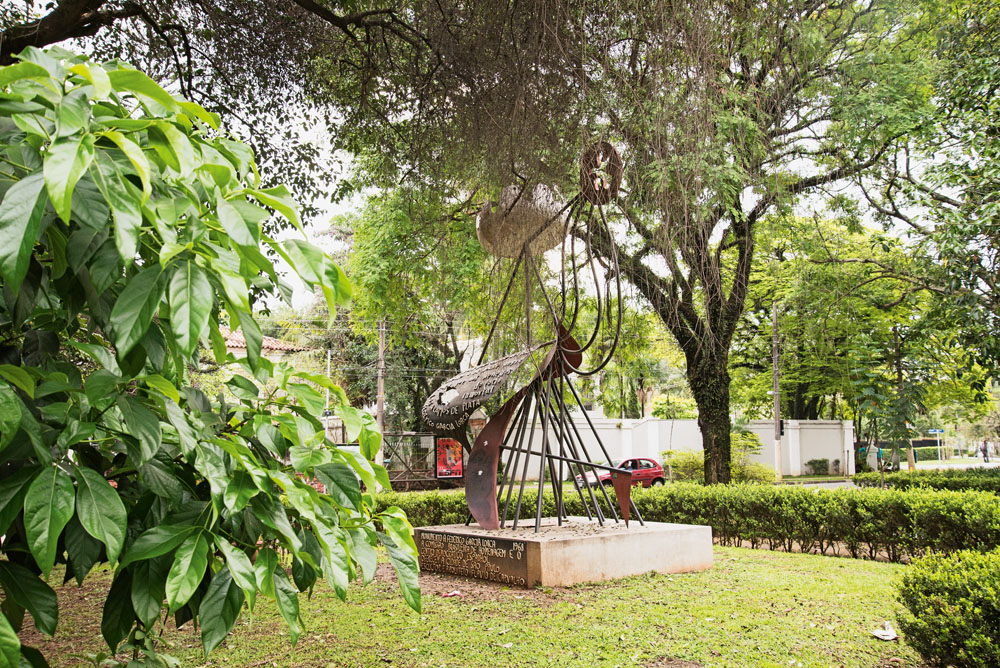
(794, 447)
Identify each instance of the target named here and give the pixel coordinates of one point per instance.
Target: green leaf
(288, 603)
(190, 562)
(163, 386)
(364, 554)
(252, 336)
(12, 492)
(156, 541)
(72, 113)
(305, 458)
(96, 75)
(144, 88)
(20, 217)
(143, 424)
(334, 542)
(135, 155)
(18, 72)
(341, 484)
(148, 589)
(279, 199)
(118, 616)
(101, 510)
(176, 145)
(219, 609)
(396, 525)
(32, 594)
(233, 223)
(191, 299)
(352, 421)
(18, 377)
(10, 415)
(82, 549)
(241, 569)
(407, 571)
(32, 658)
(10, 646)
(243, 388)
(124, 201)
(48, 506)
(263, 567)
(135, 307)
(239, 491)
(370, 441)
(101, 384)
(65, 162)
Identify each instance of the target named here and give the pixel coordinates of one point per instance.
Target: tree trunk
(709, 384)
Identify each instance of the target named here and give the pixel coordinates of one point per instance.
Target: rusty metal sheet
(622, 482)
(481, 471)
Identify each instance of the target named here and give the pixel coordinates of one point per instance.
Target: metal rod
(503, 301)
(524, 471)
(518, 439)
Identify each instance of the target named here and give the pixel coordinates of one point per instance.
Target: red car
(645, 472)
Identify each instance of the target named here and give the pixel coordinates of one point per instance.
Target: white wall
(648, 437)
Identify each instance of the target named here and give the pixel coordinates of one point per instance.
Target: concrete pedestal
(578, 551)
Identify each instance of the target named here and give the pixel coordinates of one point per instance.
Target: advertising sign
(449, 458)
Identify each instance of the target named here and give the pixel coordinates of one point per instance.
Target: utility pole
(380, 393)
(326, 403)
(775, 358)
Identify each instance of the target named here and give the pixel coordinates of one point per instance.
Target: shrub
(952, 609)
(818, 466)
(866, 523)
(685, 465)
(978, 479)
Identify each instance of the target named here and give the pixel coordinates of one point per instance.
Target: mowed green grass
(753, 608)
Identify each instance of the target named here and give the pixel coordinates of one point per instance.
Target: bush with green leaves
(131, 228)
(980, 479)
(952, 609)
(863, 523)
(690, 466)
(818, 466)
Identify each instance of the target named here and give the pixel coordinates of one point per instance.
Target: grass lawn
(754, 608)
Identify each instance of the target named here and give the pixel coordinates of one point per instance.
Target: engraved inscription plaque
(500, 560)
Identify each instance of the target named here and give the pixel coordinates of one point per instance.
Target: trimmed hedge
(865, 523)
(974, 479)
(952, 609)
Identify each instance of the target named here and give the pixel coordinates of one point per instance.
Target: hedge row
(974, 479)
(865, 523)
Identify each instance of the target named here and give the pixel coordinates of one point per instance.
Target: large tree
(724, 112)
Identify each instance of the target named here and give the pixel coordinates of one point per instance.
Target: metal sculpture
(522, 225)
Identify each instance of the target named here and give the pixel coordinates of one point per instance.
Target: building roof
(234, 339)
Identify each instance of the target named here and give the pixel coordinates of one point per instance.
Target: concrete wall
(648, 437)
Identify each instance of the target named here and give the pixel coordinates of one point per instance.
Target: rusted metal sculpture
(526, 223)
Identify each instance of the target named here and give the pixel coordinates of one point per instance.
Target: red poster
(449, 458)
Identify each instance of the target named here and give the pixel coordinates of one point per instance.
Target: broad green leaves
(130, 231)
(135, 307)
(190, 297)
(20, 216)
(219, 609)
(100, 510)
(48, 506)
(65, 162)
(187, 570)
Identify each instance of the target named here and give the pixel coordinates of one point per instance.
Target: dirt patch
(471, 589)
(667, 662)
